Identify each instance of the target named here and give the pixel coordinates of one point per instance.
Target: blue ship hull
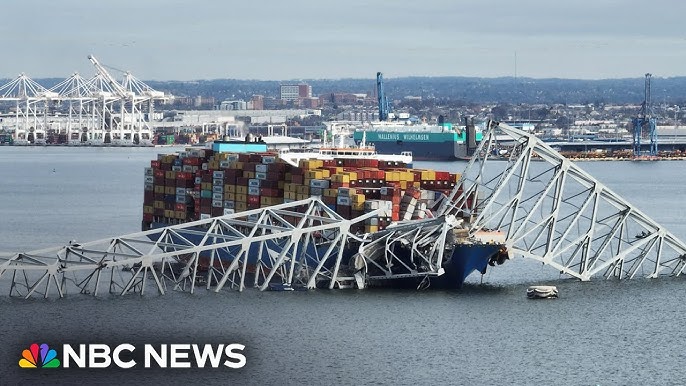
(465, 259)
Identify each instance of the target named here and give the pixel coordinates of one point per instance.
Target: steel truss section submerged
(554, 212)
(293, 245)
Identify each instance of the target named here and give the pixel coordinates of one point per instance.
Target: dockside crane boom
(118, 88)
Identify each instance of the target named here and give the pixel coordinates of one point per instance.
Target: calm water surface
(601, 332)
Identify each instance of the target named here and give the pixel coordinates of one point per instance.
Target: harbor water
(596, 333)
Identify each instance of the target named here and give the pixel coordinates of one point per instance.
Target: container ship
(199, 184)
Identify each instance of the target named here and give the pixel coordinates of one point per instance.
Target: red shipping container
(254, 200)
(147, 217)
(180, 207)
(155, 164)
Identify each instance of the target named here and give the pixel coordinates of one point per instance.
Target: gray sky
(303, 39)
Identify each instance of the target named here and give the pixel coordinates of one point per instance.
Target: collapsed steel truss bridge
(549, 209)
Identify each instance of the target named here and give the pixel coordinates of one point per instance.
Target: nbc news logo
(94, 356)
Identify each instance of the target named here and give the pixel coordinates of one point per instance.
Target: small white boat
(541, 292)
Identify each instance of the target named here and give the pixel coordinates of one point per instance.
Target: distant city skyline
(306, 39)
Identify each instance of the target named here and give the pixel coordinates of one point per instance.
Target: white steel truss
(288, 246)
(556, 213)
(415, 249)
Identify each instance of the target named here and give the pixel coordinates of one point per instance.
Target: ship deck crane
(645, 120)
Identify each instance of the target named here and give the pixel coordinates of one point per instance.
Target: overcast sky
(307, 39)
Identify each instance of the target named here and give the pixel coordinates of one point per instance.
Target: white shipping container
(218, 174)
(218, 189)
(341, 200)
(149, 179)
(204, 216)
(228, 211)
(177, 168)
(229, 204)
(217, 203)
(316, 191)
(323, 184)
(217, 196)
(261, 168)
(218, 182)
(260, 175)
(180, 191)
(149, 172)
(269, 159)
(254, 182)
(253, 191)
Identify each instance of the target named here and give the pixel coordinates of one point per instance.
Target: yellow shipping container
(241, 206)
(149, 209)
(326, 173)
(289, 187)
(417, 184)
(357, 198)
(302, 197)
(340, 178)
(358, 205)
(330, 192)
(351, 175)
(159, 189)
(248, 174)
(403, 185)
(170, 175)
(302, 189)
(230, 196)
(170, 190)
(230, 188)
(169, 213)
(240, 189)
(158, 204)
(315, 174)
(428, 175)
(290, 195)
(181, 215)
(241, 198)
(371, 228)
(206, 186)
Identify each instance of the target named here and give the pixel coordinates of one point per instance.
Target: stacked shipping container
(197, 184)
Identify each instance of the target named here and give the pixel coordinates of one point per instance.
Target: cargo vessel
(441, 142)
(395, 133)
(203, 183)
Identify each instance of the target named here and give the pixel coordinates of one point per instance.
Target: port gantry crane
(645, 120)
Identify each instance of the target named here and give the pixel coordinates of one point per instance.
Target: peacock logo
(39, 356)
